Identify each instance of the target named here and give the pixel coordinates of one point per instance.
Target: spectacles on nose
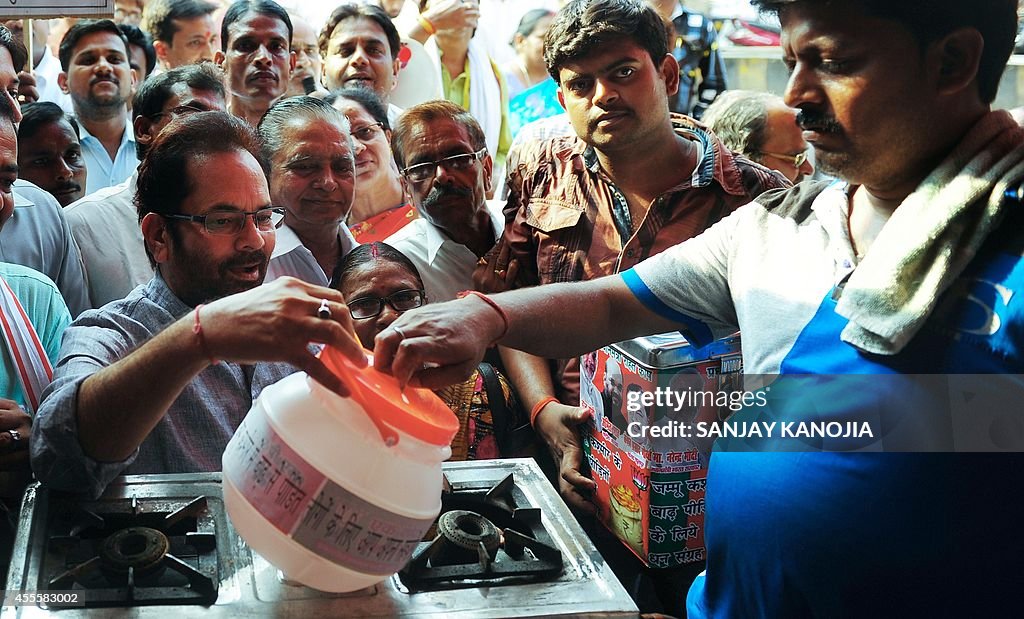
(796, 160)
(367, 133)
(456, 163)
(179, 110)
(223, 222)
(371, 307)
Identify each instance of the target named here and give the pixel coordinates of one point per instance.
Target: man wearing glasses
(760, 126)
(442, 154)
(105, 224)
(159, 381)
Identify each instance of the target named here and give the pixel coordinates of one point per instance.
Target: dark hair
(84, 28)
(583, 26)
(367, 98)
(429, 111)
(529, 23)
(19, 55)
(930, 20)
(164, 182)
(369, 11)
(241, 8)
(36, 115)
(739, 118)
(159, 15)
(154, 93)
(305, 108)
(367, 253)
(139, 38)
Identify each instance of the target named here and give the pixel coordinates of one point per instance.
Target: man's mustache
(439, 193)
(246, 259)
(813, 120)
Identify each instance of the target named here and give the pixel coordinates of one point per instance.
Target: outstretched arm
(441, 344)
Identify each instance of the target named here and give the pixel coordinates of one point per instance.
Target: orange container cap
(416, 412)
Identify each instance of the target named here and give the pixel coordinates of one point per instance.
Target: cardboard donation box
(649, 396)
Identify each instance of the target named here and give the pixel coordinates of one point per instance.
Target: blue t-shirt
(847, 534)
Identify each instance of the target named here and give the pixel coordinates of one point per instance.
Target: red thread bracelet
(489, 301)
(197, 328)
(538, 407)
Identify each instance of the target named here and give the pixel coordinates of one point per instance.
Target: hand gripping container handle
(416, 412)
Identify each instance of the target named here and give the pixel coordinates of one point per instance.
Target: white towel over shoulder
(931, 237)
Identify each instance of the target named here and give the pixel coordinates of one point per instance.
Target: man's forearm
(121, 404)
(558, 321)
(440, 344)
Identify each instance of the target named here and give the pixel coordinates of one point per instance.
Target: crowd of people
(196, 196)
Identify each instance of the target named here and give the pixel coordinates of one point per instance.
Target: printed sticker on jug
(317, 513)
(274, 479)
(350, 531)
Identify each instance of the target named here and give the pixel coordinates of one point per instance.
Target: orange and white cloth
(30, 360)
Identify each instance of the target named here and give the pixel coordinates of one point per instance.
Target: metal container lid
(668, 350)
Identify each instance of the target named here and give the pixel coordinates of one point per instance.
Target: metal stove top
(248, 586)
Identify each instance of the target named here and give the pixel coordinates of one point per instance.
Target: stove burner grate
(482, 536)
(130, 555)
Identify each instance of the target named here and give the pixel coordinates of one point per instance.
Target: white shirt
(446, 267)
(105, 225)
(37, 236)
(393, 113)
(292, 258)
(46, 73)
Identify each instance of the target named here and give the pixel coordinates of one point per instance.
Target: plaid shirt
(567, 221)
(694, 43)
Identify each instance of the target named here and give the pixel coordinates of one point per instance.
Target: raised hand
(276, 322)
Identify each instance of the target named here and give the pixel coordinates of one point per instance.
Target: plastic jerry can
(337, 492)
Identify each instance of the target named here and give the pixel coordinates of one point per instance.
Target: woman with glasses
(379, 284)
(380, 207)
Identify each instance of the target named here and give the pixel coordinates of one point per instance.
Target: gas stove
(505, 545)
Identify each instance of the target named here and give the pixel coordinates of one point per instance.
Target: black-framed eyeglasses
(371, 307)
(796, 160)
(226, 222)
(425, 171)
(367, 133)
(178, 110)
